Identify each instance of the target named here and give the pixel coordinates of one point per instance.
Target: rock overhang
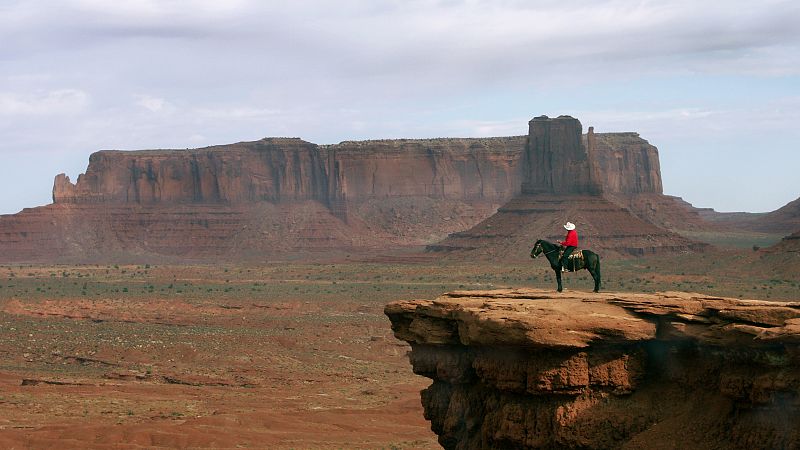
(527, 368)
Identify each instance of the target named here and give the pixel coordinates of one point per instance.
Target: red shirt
(571, 240)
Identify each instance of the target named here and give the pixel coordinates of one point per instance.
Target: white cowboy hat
(569, 226)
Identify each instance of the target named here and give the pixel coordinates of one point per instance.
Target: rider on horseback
(570, 243)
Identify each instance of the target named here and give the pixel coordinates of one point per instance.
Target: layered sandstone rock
(275, 170)
(535, 369)
(249, 197)
(609, 186)
(783, 258)
(625, 163)
(273, 198)
(784, 220)
(604, 227)
(557, 161)
(664, 211)
(281, 170)
(459, 169)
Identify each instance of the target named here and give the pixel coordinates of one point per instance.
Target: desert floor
(274, 355)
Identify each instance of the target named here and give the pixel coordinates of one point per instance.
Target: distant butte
(288, 198)
(608, 185)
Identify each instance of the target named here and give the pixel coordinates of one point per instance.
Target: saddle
(576, 254)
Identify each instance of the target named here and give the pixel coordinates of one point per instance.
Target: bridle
(539, 245)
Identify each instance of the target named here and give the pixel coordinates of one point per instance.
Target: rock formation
(606, 185)
(281, 170)
(603, 226)
(784, 220)
(783, 258)
(557, 162)
(276, 197)
(627, 164)
(535, 369)
(274, 170)
(280, 197)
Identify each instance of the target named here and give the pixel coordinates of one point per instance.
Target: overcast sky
(715, 85)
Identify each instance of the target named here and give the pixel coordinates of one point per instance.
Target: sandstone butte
(529, 368)
(285, 196)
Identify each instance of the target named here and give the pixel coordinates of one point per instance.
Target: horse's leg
(558, 278)
(594, 269)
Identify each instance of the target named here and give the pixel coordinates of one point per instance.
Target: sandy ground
(246, 368)
(271, 356)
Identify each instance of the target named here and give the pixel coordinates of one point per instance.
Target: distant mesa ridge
(552, 158)
(285, 196)
(283, 170)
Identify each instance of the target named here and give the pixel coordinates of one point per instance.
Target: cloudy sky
(715, 85)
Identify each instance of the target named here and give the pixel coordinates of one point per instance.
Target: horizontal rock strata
(285, 197)
(603, 226)
(535, 369)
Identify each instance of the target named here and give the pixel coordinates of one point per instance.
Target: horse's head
(537, 249)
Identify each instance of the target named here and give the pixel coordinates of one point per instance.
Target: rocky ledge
(536, 369)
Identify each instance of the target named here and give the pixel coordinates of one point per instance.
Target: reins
(544, 252)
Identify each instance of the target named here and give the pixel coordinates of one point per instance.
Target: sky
(715, 85)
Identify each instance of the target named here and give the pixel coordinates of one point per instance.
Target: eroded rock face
(558, 162)
(535, 369)
(608, 185)
(279, 197)
(626, 163)
(276, 197)
(285, 170)
(603, 226)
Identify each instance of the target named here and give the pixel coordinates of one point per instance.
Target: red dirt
(193, 370)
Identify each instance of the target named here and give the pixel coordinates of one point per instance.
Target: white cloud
(488, 128)
(352, 69)
(149, 8)
(154, 104)
(61, 101)
(237, 112)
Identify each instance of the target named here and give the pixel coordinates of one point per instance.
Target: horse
(590, 261)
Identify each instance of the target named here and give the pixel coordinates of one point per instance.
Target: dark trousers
(567, 251)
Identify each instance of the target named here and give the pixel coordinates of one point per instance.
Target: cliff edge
(535, 369)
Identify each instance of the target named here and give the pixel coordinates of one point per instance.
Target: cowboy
(570, 243)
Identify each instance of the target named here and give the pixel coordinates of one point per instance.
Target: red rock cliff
(625, 163)
(274, 170)
(281, 169)
(286, 195)
(285, 170)
(557, 161)
(463, 169)
(532, 369)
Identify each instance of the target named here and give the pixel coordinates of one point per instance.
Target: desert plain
(268, 355)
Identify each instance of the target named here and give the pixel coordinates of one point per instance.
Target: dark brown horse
(590, 261)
